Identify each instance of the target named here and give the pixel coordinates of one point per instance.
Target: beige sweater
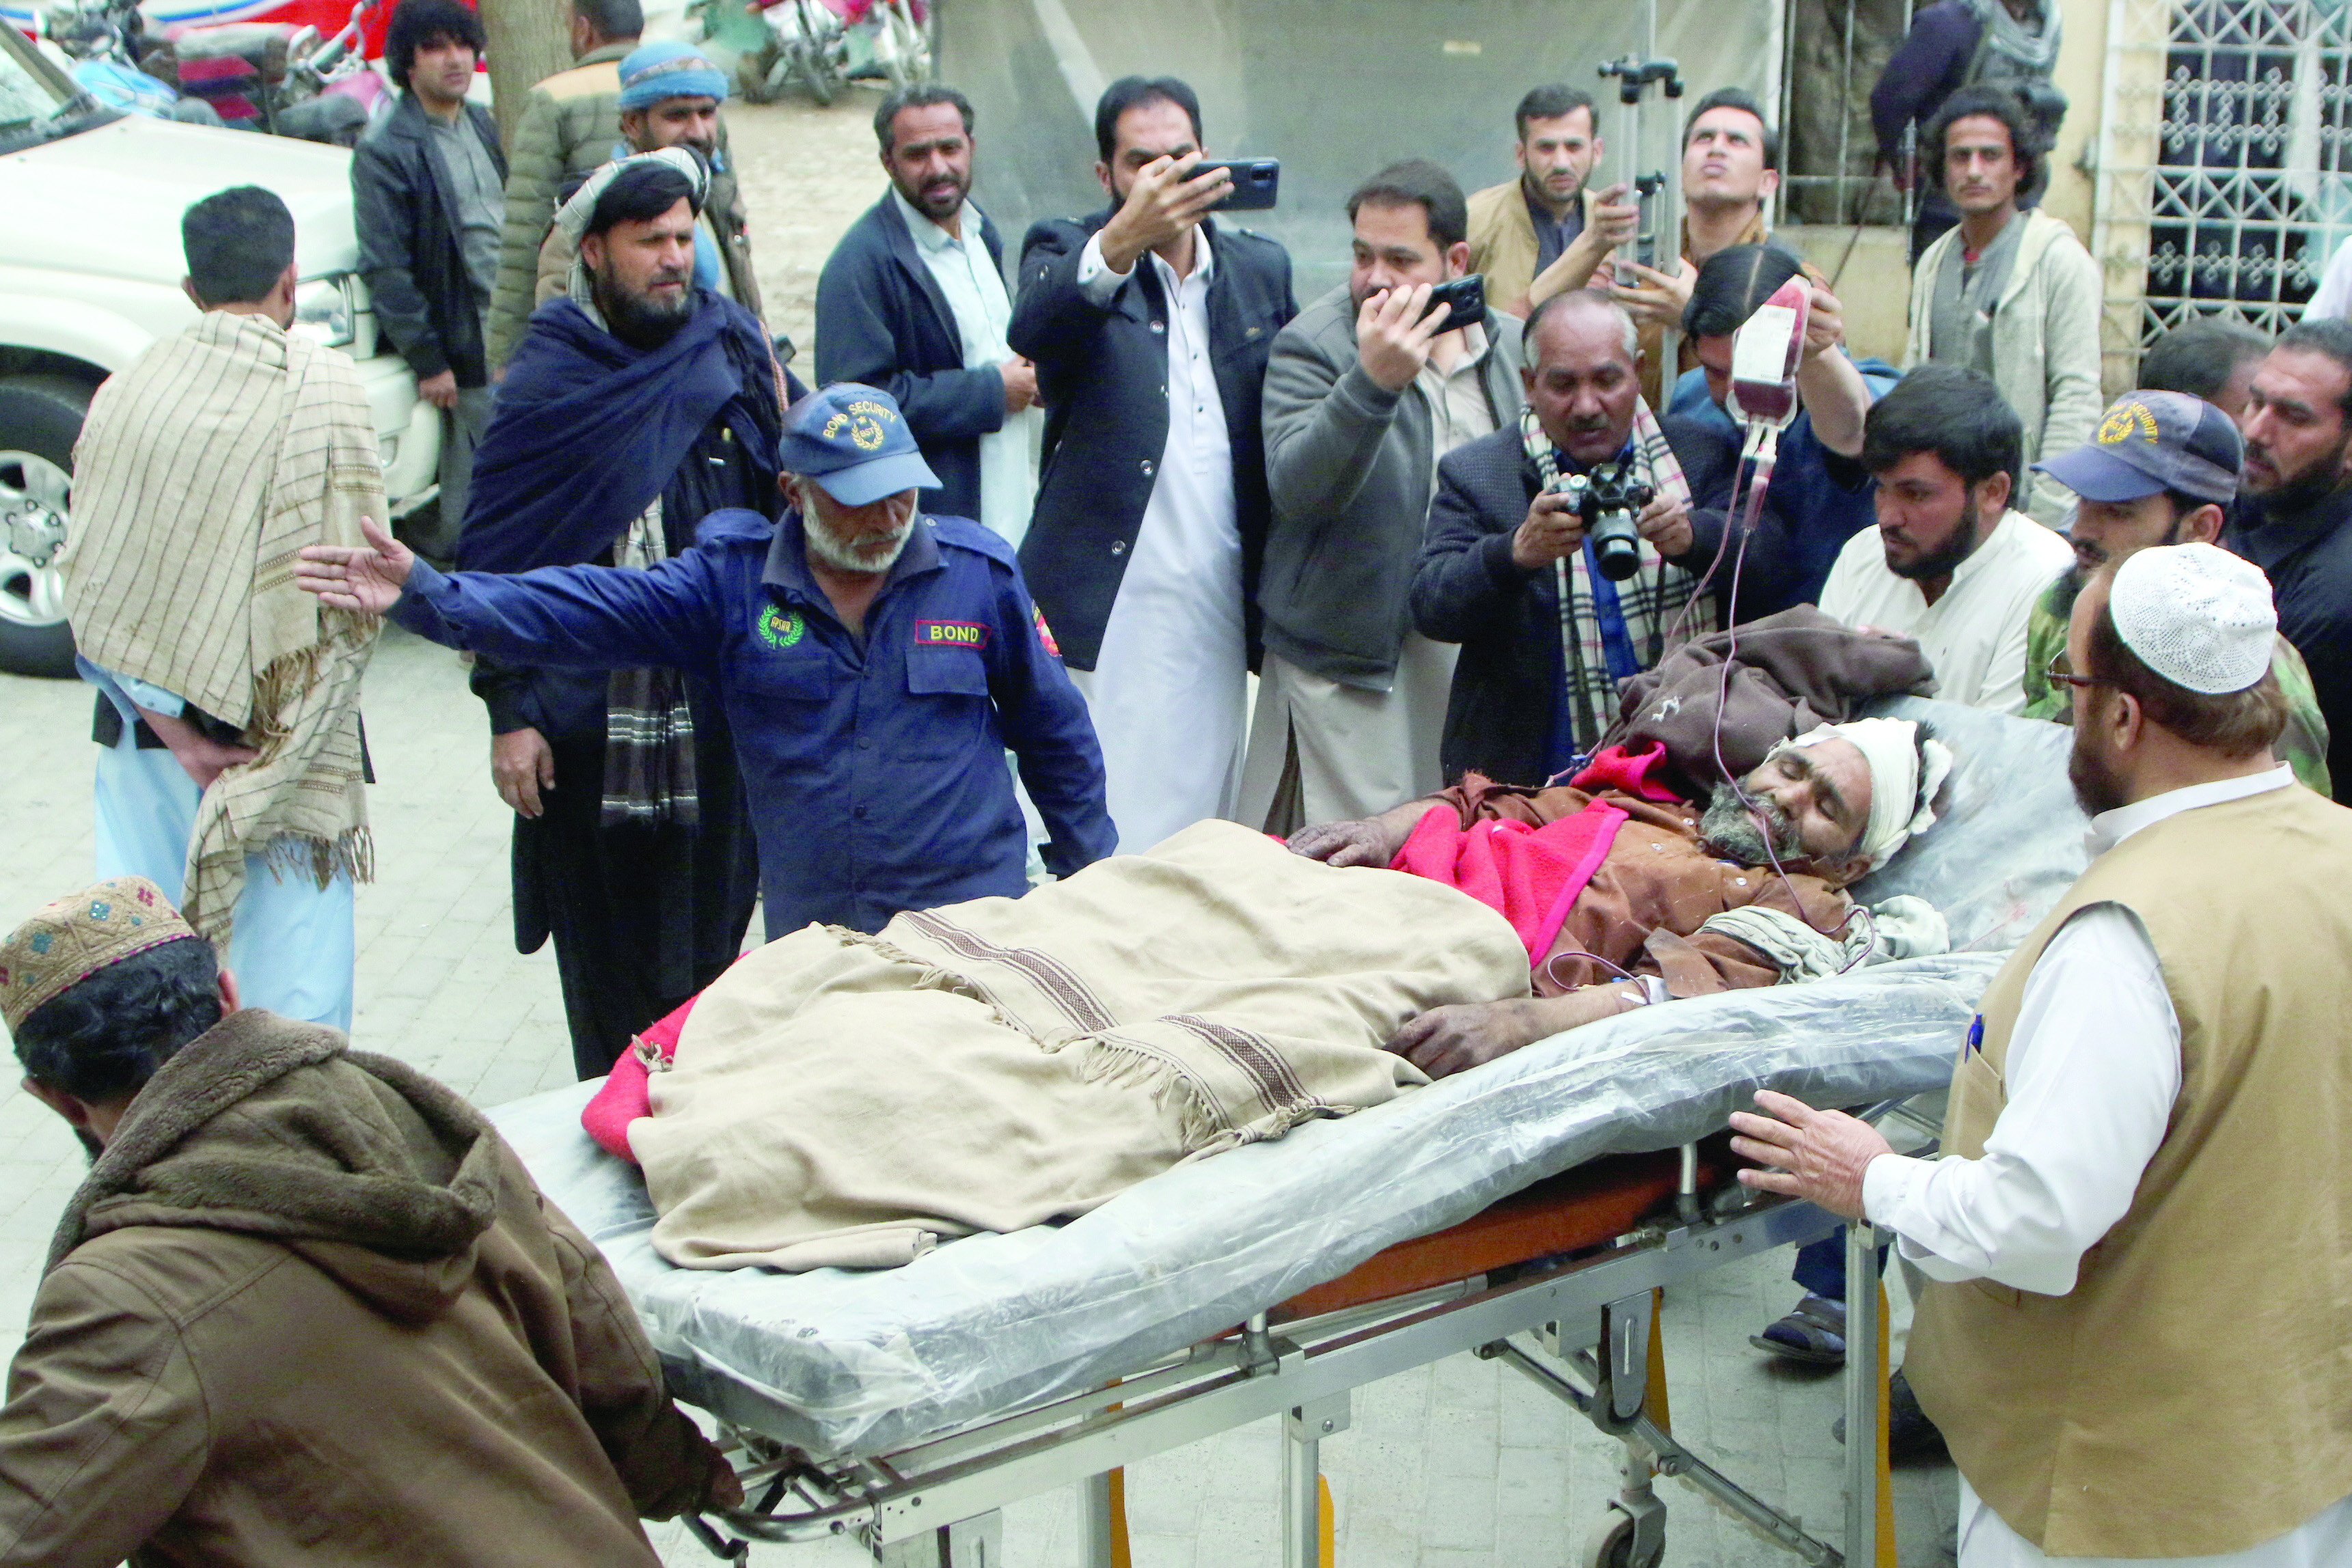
(2045, 347)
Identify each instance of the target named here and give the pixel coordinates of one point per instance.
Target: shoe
(1814, 1334)
(1909, 1434)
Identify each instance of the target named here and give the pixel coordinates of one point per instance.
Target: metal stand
(1303, 1431)
(1869, 1534)
(1634, 77)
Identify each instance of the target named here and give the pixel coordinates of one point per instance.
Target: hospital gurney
(910, 1403)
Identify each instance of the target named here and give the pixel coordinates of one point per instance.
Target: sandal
(1814, 1334)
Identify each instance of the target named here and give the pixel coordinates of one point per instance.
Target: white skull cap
(2197, 615)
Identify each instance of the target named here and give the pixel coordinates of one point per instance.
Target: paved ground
(1459, 1464)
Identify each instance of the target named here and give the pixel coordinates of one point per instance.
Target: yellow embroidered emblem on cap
(2118, 427)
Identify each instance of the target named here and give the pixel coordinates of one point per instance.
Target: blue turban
(669, 69)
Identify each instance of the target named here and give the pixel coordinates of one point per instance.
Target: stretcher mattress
(843, 1362)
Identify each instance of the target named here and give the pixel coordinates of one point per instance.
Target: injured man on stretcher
(841, 1099)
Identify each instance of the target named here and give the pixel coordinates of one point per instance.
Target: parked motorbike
(248, 76)
(821, 43)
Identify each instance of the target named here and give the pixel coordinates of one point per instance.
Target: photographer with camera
(1559, 550)
(1366, 390)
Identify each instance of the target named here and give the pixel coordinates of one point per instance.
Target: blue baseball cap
(2151, 442)
(669, 69)
(852, 439)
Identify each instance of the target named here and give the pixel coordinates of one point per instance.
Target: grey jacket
(1350, 468)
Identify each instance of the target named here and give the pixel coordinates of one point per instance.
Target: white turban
(1897, 757)
(572, 219)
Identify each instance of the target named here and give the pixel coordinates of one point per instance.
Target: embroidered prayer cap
(2151, 442)
(70, 940)
(852, 439)
(1904, 774)
(2197, 615)
(670, 69)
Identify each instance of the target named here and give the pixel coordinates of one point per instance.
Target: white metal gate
(2221, 186)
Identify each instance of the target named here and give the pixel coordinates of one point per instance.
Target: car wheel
(41, 418)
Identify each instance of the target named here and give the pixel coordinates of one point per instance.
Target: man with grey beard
(875, 665)
(1681, 900)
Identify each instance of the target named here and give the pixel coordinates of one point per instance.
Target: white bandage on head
(2199, 616)
(1904, 774)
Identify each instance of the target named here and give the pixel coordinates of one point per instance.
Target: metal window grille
(2222, 188)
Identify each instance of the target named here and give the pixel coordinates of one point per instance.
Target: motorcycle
(248, 76)
(822, 43)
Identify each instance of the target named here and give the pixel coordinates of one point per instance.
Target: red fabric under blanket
(1531, 876)
(1614, 768)
(626, 1096)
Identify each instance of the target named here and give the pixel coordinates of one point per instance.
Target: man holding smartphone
(1548, 230)
(1150, 324)
(1367, 390)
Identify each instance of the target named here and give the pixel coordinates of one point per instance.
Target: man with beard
(2133, 1350)
(632, 410)
(2161, 471)
(1748, 891)
(2293, 503)
(913, 300)
(875, 665)
(669, 97)
(1948, 564)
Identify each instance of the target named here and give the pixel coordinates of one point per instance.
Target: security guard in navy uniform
(875, 663)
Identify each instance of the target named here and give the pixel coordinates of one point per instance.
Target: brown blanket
(1790, 672)
(847, 1099)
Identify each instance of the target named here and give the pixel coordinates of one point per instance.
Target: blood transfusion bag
(1765, 354)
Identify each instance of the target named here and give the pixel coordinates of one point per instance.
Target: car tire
(40, 419)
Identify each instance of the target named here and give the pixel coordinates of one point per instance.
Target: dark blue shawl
(589, 430)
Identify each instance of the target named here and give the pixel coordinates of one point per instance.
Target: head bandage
(1897, 757)
(2199, 616)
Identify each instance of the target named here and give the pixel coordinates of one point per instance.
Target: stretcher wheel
(1612, 1545)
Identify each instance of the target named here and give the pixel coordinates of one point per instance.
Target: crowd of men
(985, 605)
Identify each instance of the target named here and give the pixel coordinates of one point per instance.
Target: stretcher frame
(1581, 1326)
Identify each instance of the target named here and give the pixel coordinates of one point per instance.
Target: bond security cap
(2151, 442)
(2197, 615)
(852, 439)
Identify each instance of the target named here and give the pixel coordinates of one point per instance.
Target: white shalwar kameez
(2093, 1070)
(1167, 691)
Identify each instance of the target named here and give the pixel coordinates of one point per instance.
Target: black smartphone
(1463, 300)
(1255, 180)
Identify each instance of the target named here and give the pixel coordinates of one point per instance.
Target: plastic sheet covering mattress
(850, 1363)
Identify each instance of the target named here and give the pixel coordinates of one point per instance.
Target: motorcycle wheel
(908, 58)
(813, 60)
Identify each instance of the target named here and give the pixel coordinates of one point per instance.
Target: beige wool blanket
(843, 1100)
(201, 471)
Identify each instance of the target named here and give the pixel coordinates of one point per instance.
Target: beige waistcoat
(2192, 1393)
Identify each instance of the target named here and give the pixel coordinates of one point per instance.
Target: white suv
(89, 275)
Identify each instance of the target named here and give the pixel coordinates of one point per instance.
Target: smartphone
(1255, 180)
(1463, 300)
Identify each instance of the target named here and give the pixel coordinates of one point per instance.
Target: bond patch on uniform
(970, 634)
(781, 628)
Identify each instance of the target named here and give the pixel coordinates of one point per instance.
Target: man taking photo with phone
(1366, 389)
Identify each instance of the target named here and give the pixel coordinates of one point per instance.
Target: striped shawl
(202, 470)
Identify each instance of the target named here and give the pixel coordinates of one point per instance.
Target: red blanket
(626, 1096)
(1531, 876)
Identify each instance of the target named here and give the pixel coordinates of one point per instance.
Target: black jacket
(882, 320)
(2307, 555)
(409, 251)
(1103, 375)
(1466, 589)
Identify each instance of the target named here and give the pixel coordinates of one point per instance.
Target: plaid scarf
(201, 469)
(648, 729)
(1604, 624)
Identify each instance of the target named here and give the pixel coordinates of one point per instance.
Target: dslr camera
(1607, 499)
